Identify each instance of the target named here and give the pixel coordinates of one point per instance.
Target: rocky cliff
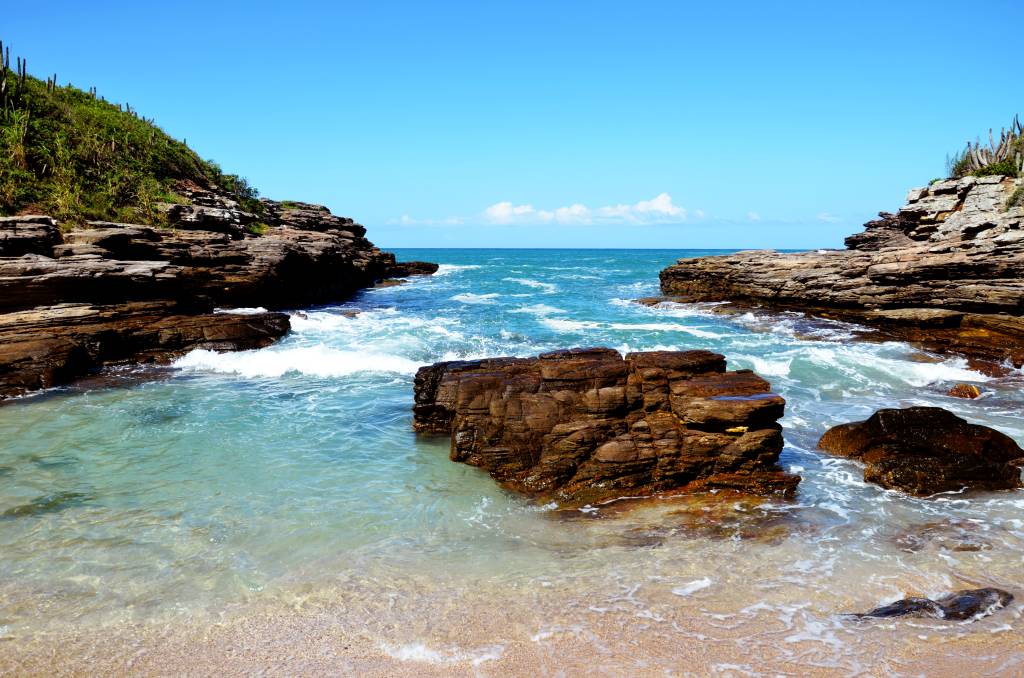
(586, 425)
(108, 292)
(946, 271)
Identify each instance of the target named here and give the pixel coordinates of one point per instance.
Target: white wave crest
(548, 288)
(666, 327)
(245, 310)
(565, 325)
(448, 269)
(537, 309)
(319, 361)
(470, 298)
(767, 367)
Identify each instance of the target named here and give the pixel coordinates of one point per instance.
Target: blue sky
(543, 124)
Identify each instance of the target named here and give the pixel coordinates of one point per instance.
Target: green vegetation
(1005, 157)
(1017, 199)
(75, 156)
(258, 228)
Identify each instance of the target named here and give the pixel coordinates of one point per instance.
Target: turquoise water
(256, 478)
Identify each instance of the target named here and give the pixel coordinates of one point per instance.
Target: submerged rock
(946, 271)
(925, 450)
(960, 605)
(50, 503)
(586, 425)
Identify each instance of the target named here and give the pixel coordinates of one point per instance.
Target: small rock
(969, 391)
(960, 605)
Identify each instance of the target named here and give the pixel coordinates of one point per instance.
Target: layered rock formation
(109, 292)
(925, 450)
(946, 271)
(586, 425)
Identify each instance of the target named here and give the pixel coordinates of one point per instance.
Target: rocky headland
(945, 272)
(587, 425)
(106, 293)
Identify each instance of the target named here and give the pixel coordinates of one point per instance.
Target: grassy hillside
(75, 156)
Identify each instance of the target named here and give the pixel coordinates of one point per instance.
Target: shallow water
(286, 481)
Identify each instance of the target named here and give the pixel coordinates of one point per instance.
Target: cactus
(976, 157)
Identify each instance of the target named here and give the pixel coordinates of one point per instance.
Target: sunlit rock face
(946, 269)
(587, 425)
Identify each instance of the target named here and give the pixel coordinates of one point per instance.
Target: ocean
(286, 483)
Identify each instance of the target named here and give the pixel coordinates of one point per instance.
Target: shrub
(1017, 199)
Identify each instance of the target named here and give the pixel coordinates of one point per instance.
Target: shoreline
(543, 630)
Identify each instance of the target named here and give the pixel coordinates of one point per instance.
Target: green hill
(75, 156)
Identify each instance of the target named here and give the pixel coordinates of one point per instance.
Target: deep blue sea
(288, 478)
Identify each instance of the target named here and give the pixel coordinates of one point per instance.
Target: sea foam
(318, 360)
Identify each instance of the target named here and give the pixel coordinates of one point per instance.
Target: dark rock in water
(959, 605)
(50, 503)
(404, 269)
(946, 271)
(586, 425)
(924, 450)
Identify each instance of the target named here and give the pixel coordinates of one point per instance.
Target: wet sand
(532, 632)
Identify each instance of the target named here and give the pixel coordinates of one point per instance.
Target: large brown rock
(49, 346)
(953, 248)
(110, 292)
(586, 425)
(925, 450)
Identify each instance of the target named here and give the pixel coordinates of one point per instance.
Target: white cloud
(753, 216)
(828, 218)
(659, 209)
(504, 212)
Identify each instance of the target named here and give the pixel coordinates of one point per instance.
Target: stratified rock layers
(585, 425)
(109, 292)
(949, 266)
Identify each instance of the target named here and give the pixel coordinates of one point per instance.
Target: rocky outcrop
(585, 425)
(946, 271)
(48, 346)
(959, 605)
(405, 269)
(925, 450)
(111, 292)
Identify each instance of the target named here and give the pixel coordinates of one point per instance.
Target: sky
(557, 124)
